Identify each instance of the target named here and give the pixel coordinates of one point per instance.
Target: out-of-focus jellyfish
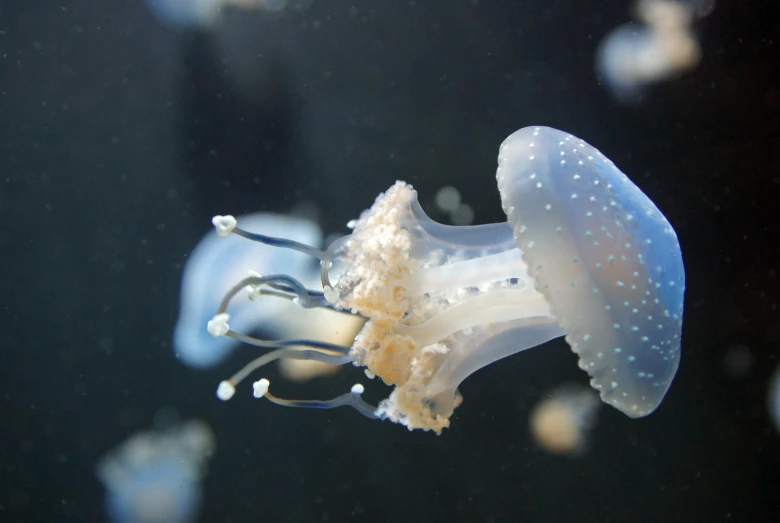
(632, 57)
(448, 200)
(738, 361)
(584, 254)
(216, 264)
(773, 399)
(560, 423)
(304, 370)
(154, 477)
(203, 13)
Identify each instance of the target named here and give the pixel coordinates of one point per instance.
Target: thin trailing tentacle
(303, 296)
(280, 344)
(227, 388)
(226, 225)
(284, 286)
(280, 242)
(350, 399)
(282, 290)
(314, 349)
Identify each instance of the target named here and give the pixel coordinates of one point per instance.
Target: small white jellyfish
(632, 57)
(463, 215)
(560, 423)
(154, 477)
(773, 399)
(448, 200)
(216, 264)
(204, 13)
(584, 254)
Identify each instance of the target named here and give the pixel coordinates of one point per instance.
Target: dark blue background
(120, 138)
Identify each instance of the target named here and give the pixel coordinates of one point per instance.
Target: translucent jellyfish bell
(154, 477)
(605, 258)
(584, 254)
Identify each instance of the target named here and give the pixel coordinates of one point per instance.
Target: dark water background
(121, 138)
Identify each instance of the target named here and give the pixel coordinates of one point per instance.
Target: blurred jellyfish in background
(204, 13)
(304, 370)
(738, 361)
(154, 477)
(448, 200)
(216, 264)
(773, 399)
(632, 57)
(561, 422)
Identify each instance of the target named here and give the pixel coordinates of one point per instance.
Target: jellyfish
(185, 13)
(632, 57)
(448, 200)
(203, 13)
(216, 263)
(154, 477)
(305, 370)
(561, 421)
(584, 254)
(773, 399)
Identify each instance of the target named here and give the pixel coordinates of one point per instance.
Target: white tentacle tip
(254, 290)
(260, 388)
(358, 389)
(224, 224)
(225, 390)
(331, 294)
(218, 325)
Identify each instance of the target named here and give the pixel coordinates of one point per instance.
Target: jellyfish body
(154, 477)
(216, 264)
(185, 13)
(773, 399)
(584, 254)
(560, 422)
(204, 13)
